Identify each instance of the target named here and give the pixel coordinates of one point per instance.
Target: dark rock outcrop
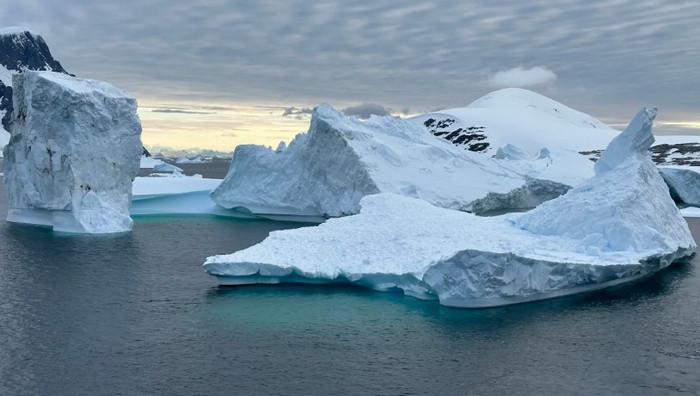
(22, 50)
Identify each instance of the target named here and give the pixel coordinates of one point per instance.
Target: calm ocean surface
(136, 314)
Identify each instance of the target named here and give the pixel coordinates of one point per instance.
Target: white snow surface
(325, 172)
(619, 226)
(74, 150)
(690, 212)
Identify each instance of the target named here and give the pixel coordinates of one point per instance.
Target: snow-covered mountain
(520, 118)
(527, 120)
(20, 49)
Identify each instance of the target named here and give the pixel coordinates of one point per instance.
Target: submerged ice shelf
(618, 226)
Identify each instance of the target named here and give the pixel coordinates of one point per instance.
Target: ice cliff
(326, 172)
(619, 226)
(74, 150)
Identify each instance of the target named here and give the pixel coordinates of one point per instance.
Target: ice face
(684, 184)
(75, 149)
(619, 226)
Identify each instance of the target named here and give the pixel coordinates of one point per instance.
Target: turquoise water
(136, 314)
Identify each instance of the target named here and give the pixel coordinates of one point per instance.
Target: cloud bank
(365, 110)
(522, 78)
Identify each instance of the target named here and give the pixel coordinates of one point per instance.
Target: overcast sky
(233, 68)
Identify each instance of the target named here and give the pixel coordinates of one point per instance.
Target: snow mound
(585, 240)
(74, 151)
(326, 172)
(683, 183)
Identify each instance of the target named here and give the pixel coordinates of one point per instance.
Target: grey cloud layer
(427, 55)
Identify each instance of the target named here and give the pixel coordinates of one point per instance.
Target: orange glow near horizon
(217, 127)
(223, 126)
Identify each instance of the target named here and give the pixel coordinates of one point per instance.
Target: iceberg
(683, 183)
(326, 172)
(74, 150)
(619, 226)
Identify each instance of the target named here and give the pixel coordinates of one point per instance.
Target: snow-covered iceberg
(326, 172)
(74, 150)
(619, 226)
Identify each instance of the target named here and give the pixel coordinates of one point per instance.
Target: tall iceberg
(74, 151)
(326, 172)
(619, 226)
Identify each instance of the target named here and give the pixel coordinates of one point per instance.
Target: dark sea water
(135, 314)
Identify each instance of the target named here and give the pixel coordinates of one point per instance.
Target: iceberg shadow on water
(619, 226)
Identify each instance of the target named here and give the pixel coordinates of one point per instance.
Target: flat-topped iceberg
(619, 226)
(74, 151)
(326, 172)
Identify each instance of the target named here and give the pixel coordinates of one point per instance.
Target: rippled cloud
(609, 58)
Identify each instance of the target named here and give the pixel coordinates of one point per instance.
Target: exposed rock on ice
(683, 183)
(619, 226)
(325, 172)
(74, 151)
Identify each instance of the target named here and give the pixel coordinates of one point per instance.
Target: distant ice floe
(174, 196)
(150, 162)
(618, 226)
